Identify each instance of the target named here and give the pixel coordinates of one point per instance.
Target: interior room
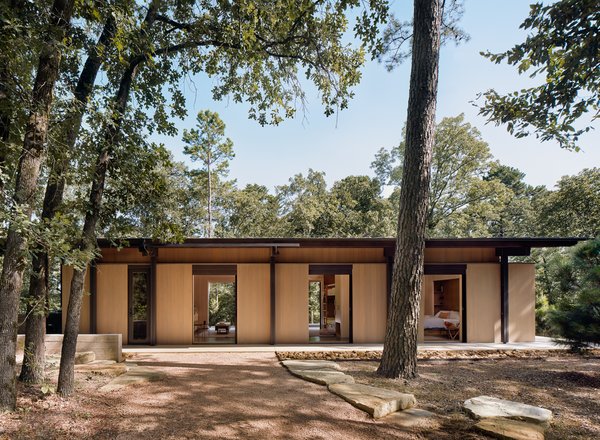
(442, 301)
(214, 309)
(329, 308)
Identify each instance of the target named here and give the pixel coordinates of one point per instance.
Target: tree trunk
(28, 171)
(209, 199)
(34, 359)
(399, 357)
(66, 375)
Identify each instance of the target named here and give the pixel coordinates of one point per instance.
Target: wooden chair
(452, 329)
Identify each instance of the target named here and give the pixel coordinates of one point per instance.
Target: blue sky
(345, 144)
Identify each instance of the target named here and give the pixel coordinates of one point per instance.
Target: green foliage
(47, 388)
(221, 303)
(561, 48)
(305, 204)
(577, 317)
(574, 208)
(515, 214)
(462, 199)
(314, 302)
(352, 208)
(206, 145)
(250, 212)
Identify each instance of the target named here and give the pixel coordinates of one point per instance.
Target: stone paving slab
(133, 376)
(510, 429)
(311, 365)
(323, 377)
(378, 402)
(483, 407)
(412, 417)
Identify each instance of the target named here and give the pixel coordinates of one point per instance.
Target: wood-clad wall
(460, 255)
(67, 275)
(521, 302)
(124, 255)
(214, 255)
(483, 303)
(369, 303)
(330, 255)
(112, 299)
(174, 310)
(291, 314)
(254, 303)
(342, 289)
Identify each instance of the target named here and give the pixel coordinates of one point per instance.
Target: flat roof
(504, 242)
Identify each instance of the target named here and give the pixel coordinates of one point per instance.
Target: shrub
(577, 316)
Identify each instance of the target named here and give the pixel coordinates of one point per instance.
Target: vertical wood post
(504, 297)
(153, 258)
(93, 297)
(272, 293)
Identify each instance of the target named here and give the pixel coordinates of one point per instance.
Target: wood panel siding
(460, 255)
(331, 255)
(67, 276)
(253, 304)
(112, 299)
(521, 302)
(483, 303)
(342, 288)
(369, 308)
(174, 310)
(214, 255)
(291, 292)
(124, 255)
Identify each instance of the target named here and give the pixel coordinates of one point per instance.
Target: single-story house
(297, 291)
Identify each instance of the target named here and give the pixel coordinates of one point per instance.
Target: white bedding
(433, 321)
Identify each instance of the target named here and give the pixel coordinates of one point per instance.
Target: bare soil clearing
(569, 386)
(250, 395)
(203, 395)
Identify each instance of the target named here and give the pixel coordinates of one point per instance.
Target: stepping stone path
(134, 376)
(412, 418)
(508, 420)
(510, 429)
(378, 402)
(319, 372)
(485, 407)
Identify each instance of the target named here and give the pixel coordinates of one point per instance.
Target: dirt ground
(249, 395)
(569, 386)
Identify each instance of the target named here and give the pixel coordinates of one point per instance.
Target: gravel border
(375, 355)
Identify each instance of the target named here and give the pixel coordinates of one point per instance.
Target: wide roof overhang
(498, 243)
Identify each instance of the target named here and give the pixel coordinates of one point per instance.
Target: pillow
(443, 315)
(453, 315)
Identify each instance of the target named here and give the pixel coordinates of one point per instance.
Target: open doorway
(329, 308)
(443, 308)
(214, 309)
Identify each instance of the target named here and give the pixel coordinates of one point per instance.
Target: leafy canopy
(563, 48)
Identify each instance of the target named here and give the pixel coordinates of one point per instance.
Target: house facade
(298, 291)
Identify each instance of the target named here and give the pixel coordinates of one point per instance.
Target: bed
(439, 320)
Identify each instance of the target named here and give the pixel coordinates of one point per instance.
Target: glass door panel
(139, 305)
